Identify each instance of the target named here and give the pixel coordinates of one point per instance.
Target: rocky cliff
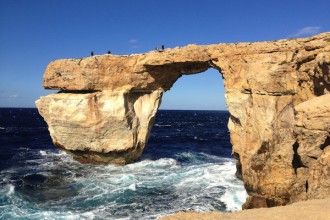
(276, 93)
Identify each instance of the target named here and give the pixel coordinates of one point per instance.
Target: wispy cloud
(134, 43)
(14, 96)
(306, 31)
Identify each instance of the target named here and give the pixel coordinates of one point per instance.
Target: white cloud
(14, 96)
(133, 41)
(306, 31)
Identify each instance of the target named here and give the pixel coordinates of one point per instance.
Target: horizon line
(226, 110)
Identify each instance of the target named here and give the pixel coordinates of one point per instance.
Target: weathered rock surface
(307, 210)
(107, 106)
(101, 127)
(312, 154)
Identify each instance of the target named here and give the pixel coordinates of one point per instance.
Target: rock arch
(107, 104)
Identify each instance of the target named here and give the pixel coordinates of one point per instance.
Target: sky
(35, 32)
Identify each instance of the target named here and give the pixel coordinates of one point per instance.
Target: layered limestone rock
(107, 106)
(312, 154)
(101, 127)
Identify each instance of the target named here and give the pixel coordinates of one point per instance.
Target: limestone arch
(265, 83)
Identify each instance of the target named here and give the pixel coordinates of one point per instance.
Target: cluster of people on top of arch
(92, 53)
(160, 50)
(157, 49)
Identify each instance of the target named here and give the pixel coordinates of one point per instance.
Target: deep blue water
(186, 166)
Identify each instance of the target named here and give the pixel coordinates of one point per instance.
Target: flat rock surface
(307, 210)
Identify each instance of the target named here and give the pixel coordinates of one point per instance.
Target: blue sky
(35, 32)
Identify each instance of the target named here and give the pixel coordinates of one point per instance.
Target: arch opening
(192, 118)
(190, 140)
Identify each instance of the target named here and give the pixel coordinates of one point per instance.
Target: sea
(186, 166)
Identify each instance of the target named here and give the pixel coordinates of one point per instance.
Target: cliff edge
(277, 94)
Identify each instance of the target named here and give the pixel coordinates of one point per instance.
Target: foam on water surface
(145, 189)
(177, 172)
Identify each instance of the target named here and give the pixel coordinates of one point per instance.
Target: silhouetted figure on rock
(92, 53)
(163, 47)
(109, 52)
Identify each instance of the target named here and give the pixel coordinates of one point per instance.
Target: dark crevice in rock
(129, 108)
(294, 55)
(326, 143)
(264, 148)
(247, 91)
(258, 201)
(235, 120)
(321, 84)
(296, 161)
(284, 93)
(311, 48)
(79, 91)
(306, 185)
(305, 60)
(261, 158)
(312, 157)
(238, 166)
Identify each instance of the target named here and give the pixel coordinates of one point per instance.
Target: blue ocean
(187, 165)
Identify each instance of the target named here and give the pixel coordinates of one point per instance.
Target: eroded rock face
(312, 165)
(101, 127)
(107, 106)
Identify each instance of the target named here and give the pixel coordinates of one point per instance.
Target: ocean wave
(160, 125)
(197, 187)
(179, 171)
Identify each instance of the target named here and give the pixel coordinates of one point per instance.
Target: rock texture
(101, 126)
(276, 93)
(312, 131)
(307, 210)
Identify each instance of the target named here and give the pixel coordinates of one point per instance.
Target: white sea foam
(111, 192)
(132, 187)
(10, 189)
(43, 153)
(209, 178)
(234, 198)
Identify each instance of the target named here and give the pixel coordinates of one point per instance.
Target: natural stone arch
(107, 105)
